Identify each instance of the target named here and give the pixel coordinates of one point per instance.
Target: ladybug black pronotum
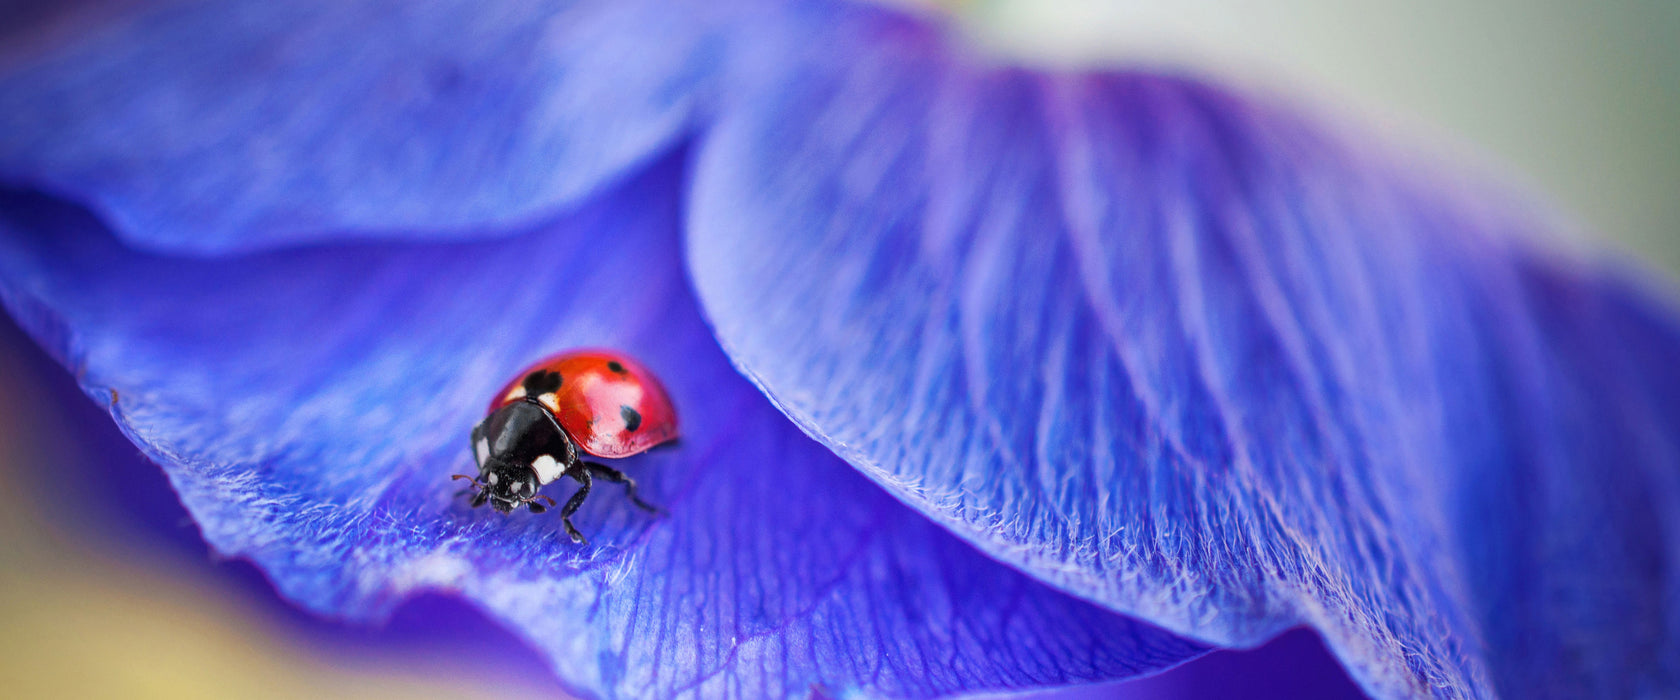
(594, 402)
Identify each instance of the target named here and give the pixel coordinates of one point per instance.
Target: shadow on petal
(310, 404)
(221, 126)
(124, 557)
(1193, 357)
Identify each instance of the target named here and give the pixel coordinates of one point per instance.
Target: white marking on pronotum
(550, 401)
(483, 449)
(547, 468)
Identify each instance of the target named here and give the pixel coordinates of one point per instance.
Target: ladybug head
(506, 485)
(513, 445)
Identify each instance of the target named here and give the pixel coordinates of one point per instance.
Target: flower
(1192, 367)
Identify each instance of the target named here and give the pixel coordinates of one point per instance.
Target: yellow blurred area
(1580, 100)
(85, 614)
(77, 627)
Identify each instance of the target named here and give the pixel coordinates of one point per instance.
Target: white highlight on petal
(547, 468)
(438, 569)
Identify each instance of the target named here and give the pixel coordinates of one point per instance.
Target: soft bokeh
(107, 591)
(109, 594)
(117, 597)
(1578, 101)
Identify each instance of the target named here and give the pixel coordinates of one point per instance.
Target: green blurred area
(1579, 102)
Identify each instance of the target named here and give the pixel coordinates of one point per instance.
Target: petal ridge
(1198, 359)
(222, 126)
(312, 428)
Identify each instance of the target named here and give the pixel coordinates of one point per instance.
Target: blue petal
(231, 125)
(310, 405)
(1189, 356)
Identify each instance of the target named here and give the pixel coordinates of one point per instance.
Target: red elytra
(609, 404)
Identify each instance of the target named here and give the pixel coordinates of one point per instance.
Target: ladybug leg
(582, 476)
(479, 498)
(618, 477)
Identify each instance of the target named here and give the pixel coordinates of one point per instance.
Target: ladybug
(578, 403)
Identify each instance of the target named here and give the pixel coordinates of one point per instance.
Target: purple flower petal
(123, 504)
(1190, 357)
(309, 406)
(229, 125)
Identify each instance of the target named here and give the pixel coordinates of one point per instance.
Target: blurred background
(114, 595)
(1578, 103)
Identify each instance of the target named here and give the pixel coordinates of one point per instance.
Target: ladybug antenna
(474, 488)
(537, 507)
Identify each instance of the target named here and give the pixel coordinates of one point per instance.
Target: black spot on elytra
(632, 419)
(541, 382)
(616, 367)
